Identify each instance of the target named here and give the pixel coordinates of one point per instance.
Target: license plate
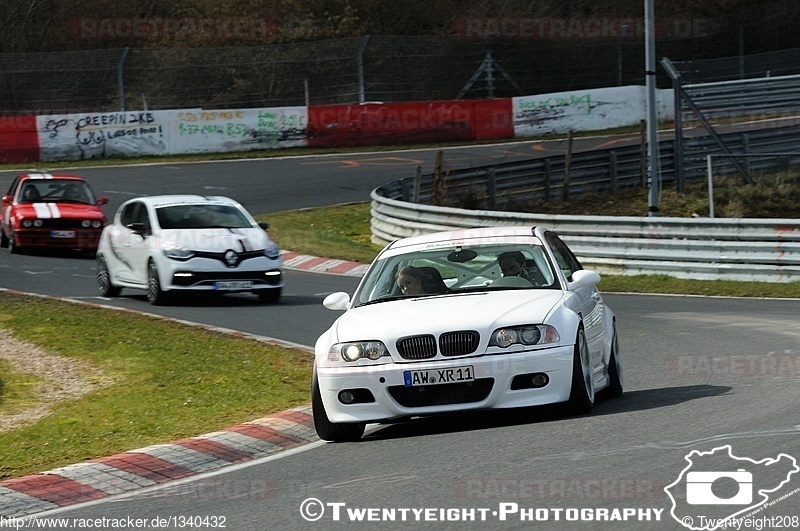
(439, 376)
(233, 284)
(62, 234)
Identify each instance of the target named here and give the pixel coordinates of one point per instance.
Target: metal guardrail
(765, 250)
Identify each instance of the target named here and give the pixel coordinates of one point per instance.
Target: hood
(58, 210)
(216, 240)
(483, 312)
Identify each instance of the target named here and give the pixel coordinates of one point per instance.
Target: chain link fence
(391, 68)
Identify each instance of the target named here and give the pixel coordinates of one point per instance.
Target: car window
(13, 187)
(134, 212)
(201, 217)
(67, 191)
(567, 261)
(446, 270)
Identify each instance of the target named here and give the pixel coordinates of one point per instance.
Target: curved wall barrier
(764, 250)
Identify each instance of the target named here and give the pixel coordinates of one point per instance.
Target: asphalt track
(700, 373)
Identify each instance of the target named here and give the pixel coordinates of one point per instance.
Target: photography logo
(699, 488)
(717, 487)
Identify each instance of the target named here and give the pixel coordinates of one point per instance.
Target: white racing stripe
(46, 210)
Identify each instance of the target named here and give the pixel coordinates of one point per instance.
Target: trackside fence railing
(764, 250)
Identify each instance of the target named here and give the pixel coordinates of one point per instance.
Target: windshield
(56, 191)
(202, 217)
(449, 270)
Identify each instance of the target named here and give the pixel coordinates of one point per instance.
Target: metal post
(652, 117)
(710, 187)
(677, 160)
(360, 59)
(120, 85)
(623, 31)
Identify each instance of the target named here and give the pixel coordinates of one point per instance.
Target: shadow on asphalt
(482, 420)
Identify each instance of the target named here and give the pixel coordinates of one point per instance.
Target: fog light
(347, 397)
(540, 379)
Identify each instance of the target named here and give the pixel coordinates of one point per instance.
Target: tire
(270, 295)
(614, 388)
(15, 249)
(327, 430)
(581, 396)
(3, 239)
(104, 285)
(155, 295)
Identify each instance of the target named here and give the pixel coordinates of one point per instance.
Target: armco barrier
(765, 250)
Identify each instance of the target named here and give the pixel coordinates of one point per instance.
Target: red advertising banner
(390, 123)
(19, 141)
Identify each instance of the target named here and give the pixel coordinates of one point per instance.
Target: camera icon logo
(699, 488)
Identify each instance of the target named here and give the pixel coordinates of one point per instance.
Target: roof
(451, 237)
(158, 201)
(46, 175)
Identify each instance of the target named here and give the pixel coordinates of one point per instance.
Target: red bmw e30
(44, 210)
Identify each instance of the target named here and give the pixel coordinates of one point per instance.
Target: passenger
(513, 264)
(417, 281)
(73, 192)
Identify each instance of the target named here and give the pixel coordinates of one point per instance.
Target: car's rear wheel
(104, 285)
(270, 295)
(581, 397)
(614, 388)
(327, 430)
(155, 295)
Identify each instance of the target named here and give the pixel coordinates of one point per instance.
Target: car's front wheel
(327, 430)
(3, 239)
(270, 295)
(614, 388)
(155, 295)
(104, 285)
(581, 397)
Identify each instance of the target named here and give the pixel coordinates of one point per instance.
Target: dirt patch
(61, 379)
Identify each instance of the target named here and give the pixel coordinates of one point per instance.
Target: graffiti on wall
(589, 110)
(206, 131)
(102, 135)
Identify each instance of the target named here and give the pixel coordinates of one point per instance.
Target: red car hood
(58, 210)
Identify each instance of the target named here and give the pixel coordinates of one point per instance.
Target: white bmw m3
(473, 319)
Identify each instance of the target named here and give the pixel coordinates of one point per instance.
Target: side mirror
(337, 301)
(264, 225)
(6, 199)
(138, 228)
(102, 201)
(584, 278)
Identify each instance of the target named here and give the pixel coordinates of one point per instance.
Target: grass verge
(169, 381)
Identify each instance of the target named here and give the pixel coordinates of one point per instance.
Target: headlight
(96, 224)
(178, 253)
(38, 223)
(27, 223)
(86, 223)
(524, 335)
(272, 251)
(372, 350)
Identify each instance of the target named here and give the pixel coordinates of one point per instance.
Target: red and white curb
(156, 464)
(305, 262)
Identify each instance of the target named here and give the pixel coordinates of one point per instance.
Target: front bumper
(202, 274)
(83, 238)
(383, 395)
